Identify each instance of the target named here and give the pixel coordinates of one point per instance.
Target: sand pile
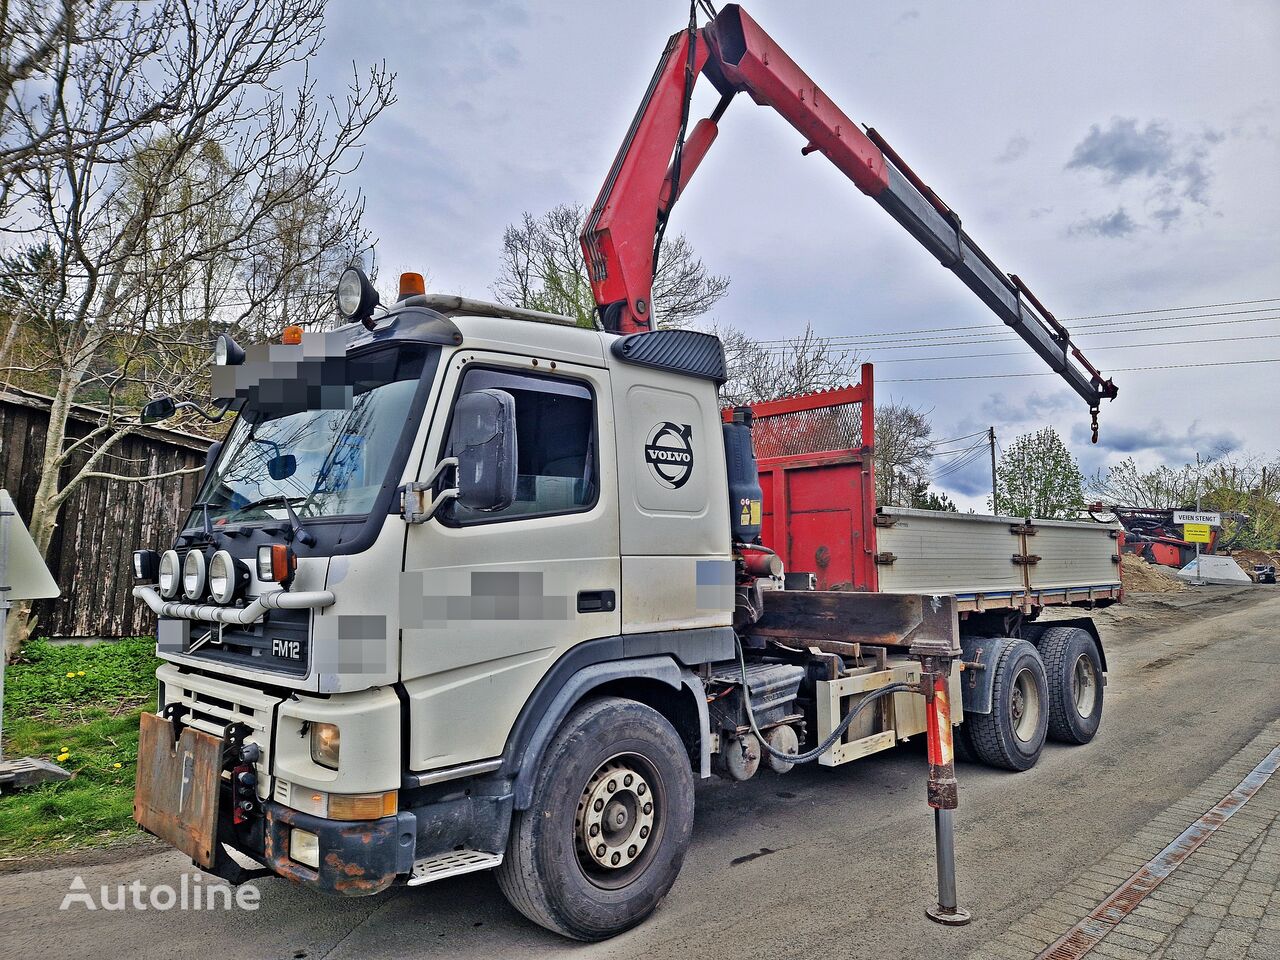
(1142, 577)
(1247, 558)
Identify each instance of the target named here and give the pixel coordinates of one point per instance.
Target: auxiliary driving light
(304, 847)
(356, 296)
(226, 352)
(146, 564)
(276, 562)
(227, 577)
(169, 574)
(193, 575)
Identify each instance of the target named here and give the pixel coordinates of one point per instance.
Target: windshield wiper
(296, 531)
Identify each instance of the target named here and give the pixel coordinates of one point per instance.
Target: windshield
(327, 459)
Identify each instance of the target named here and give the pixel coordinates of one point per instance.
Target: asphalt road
(818, 862)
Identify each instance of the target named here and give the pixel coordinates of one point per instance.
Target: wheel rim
(619, 820)
(1084, 685)
(1024, 705)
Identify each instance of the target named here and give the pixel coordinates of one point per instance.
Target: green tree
(1038, 477)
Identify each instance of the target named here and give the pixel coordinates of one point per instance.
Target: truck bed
(815, 457)
(987, 562)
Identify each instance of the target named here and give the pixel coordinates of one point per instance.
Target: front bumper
(357, 858)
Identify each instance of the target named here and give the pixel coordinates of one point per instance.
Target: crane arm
(656, 160)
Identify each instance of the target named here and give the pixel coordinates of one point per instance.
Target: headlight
(326, 740)
(169, 574)
(193, 575)
(227, 576)
(145, 564)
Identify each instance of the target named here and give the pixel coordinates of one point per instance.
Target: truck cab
(387, 618)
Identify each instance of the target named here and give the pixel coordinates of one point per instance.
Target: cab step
(451, 864)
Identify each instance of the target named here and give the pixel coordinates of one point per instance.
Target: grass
(76, 706)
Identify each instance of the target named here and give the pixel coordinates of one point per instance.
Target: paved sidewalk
(1221, 901)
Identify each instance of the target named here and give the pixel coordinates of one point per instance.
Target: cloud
(909, 15)
(1123, 151)
(1014, 149)
(1117, 223)
(1171, 446)
(1170, 169)
(1035, 407)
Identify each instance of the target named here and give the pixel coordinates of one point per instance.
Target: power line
(1116, 346)
(901, 342)
(882, 334)
(1050, 373)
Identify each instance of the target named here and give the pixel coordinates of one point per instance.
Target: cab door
(489, 601)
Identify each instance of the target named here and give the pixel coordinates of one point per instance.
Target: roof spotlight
(356, 296)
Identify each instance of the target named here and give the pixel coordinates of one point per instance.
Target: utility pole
(995, 497)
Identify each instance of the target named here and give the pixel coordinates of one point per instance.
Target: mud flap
(178, 787)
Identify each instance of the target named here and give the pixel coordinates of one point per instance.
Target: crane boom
(656, 160)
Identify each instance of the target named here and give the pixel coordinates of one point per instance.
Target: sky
(1119, 157)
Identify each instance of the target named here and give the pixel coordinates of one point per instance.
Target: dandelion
(79, 673)
(64, 749)
(116, 766)
(71, 673)
(63, 756)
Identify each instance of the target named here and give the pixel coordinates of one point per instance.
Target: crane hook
(1093, 415)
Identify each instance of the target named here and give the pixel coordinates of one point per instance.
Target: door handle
(596, 601)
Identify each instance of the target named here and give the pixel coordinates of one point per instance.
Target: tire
(1012, 735)
(962, 741)
(591, 893)
(1073, 666)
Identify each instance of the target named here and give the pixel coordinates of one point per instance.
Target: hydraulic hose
(836, 734)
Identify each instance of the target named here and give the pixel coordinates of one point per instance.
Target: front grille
(269, 644)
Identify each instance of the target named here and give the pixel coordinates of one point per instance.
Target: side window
(555, 445)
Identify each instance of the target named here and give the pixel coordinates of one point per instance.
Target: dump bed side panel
(991, 562)
(955, 553)
(1073, 555)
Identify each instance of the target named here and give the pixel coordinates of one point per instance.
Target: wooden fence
(103, 521)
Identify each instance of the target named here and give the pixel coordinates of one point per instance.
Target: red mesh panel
(801, 432)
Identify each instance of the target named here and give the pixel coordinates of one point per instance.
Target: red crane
(622, 238)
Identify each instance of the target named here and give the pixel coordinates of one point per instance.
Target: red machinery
(814, 456)
(622, 238)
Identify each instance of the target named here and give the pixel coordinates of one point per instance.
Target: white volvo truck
(476, 588)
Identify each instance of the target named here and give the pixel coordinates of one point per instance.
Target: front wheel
(1012, 735)
(609, 826)
(1074, 669)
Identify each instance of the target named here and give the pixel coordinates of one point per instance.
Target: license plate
(176, 797)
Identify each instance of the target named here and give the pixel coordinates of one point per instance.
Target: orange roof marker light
(292, 335)
(412, 285)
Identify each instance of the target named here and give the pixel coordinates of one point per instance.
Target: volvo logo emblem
(669, 453)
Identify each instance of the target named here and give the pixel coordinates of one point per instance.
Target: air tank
(744, 480)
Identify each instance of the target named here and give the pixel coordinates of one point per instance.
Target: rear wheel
(1012, 735)
(610, 823)
(1073, 666)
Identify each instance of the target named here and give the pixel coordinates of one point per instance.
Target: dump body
(816, 461)
(990, 562)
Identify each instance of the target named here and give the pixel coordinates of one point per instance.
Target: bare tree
(214, 204)
(903, 453)
(542, 268)
(766, 371)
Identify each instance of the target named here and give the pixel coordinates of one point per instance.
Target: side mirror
(210, 458)
(484, 441)
(282, 467)
(161, 408)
